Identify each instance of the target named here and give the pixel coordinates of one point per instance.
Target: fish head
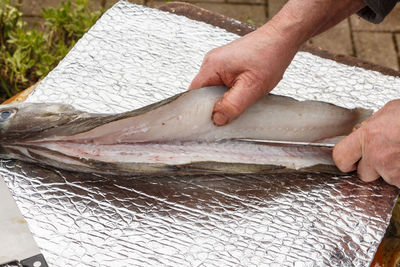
(24, 126)
(26, 121)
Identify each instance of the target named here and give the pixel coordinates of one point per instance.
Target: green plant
(28, 55)
(250, 21)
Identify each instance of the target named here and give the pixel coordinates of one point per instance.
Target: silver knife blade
(285, 143)
(17, 246)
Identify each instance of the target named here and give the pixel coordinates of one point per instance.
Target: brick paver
(96, 4)
(355, 36)
(109, 3)
(274, 6)
(397, 43)
(242, 12)
(377, 48)
(155, 3)
(390, 23)
(336, 40)
(34, 7)
(246, 2)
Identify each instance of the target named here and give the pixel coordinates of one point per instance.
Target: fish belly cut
(189, 152)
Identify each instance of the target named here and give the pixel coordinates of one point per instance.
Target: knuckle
(368, 139)
(367, 134)
(233, 108)
(254, 84)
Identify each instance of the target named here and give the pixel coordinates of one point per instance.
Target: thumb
(236, 100)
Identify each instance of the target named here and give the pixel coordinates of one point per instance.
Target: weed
(28, 55)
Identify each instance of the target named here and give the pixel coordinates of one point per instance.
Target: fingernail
(220, 119)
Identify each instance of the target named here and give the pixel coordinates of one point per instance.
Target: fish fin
(362, 115)
(231, 168)
(323, 168)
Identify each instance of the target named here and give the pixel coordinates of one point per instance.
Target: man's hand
(251, 66)
(374, 148)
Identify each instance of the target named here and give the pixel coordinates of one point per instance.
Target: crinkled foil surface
(134, 56)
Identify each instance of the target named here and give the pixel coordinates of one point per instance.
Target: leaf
(27, 55)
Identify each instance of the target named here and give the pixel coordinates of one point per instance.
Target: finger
(205, 77)
(366, 171)
(391, 174)
(235, 101)
(395, 180)
(347, 152)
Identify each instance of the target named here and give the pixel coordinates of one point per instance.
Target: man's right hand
(251, 66)
(254, 64)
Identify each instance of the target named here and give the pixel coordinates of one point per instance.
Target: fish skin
(61, 136)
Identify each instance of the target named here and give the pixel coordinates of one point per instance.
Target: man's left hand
(374, 148)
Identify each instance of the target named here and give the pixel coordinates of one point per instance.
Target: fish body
(175, 135)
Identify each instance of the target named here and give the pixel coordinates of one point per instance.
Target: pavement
(377, 43)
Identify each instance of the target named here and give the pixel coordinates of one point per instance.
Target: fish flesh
(175, 135)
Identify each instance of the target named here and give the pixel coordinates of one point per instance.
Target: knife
(17, 246)
(285, 143)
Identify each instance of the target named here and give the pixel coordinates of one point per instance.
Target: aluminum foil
(134, 56)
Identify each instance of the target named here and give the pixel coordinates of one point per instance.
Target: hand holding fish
(254, 64)
(251, 66)
(374, 148)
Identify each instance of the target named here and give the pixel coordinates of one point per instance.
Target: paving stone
(274, 6)
(110, 3)
(244, 13)
(390, 23)
(95, 5)
(34, 7)
(336, 40)
(377, 48)
(154, 3)
(245, 2)
(208, 1)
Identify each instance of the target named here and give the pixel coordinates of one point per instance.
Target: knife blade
(285, 143)
(17, 246)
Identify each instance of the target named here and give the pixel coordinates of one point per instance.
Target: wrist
(299, 20)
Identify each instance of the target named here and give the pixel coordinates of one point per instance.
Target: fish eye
(4, 115)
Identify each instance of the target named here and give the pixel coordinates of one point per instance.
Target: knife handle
(34, 261)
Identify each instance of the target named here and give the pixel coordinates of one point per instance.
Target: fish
(176, 135)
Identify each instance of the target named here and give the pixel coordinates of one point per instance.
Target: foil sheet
(134, 56)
